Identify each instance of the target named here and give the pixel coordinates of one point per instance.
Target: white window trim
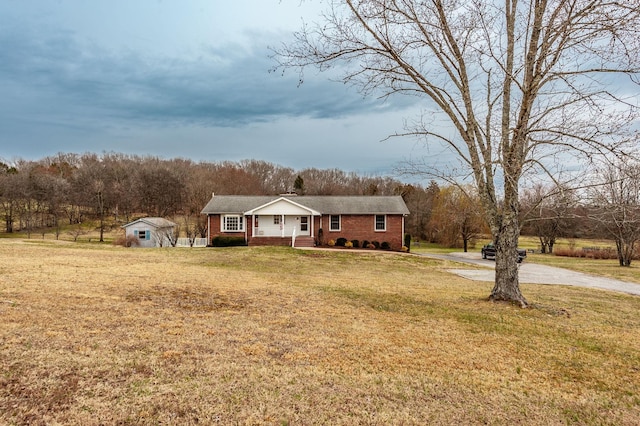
(339, 223)
(223, 223)
(375, 223)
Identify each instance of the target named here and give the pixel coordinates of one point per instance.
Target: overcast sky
(175, 78)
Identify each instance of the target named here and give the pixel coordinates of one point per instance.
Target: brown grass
(96, 334)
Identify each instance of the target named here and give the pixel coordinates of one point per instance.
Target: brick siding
(362, 227)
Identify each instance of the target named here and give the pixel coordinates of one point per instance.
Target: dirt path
(536, 274)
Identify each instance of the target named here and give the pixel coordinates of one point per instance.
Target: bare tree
(548, 213)
(616, 207)
(518, 82)
(160, 186)
(93, 187)
(10, 193)
(166, 237)
(457, 217)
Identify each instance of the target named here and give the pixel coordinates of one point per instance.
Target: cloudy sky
(176, 78)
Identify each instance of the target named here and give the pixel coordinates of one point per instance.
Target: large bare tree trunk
(507, 283)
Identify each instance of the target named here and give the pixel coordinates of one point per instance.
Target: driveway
(532, 273)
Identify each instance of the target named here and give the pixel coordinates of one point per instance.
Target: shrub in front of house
(331, 243)
(376, 244)
(385, 246)
(348, 244)
(224, 241)
(366, 244)
(407, 242)
(355, 243)
(340, 242)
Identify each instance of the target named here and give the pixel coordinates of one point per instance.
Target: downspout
(246, 229)
(402, 236)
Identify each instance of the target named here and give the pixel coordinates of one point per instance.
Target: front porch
(279, 222)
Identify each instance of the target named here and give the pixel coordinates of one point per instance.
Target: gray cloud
(227, 86)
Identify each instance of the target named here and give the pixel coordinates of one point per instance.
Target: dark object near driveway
(489, 251)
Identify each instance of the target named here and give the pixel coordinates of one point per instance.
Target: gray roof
(325, 204)
(156, 222)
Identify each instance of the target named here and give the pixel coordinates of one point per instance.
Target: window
(142, 235)
(276, 220)
(381, 222)
(334, 222)
(304, 224)
(232, 223)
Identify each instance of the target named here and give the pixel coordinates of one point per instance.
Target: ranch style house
(299, 221)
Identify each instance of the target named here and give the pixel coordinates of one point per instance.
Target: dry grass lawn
(95, 334)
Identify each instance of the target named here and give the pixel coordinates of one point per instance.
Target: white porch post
(282, 225)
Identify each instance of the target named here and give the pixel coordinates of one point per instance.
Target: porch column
(282, 225)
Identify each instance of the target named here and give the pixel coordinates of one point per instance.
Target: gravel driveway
(536, 274)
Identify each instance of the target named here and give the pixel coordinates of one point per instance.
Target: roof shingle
(325, 204)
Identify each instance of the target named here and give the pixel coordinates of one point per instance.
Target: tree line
(112, 188)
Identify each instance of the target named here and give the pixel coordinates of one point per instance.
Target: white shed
(150, 232)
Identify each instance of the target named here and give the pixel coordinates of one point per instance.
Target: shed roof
(156, 222)
(325, 204)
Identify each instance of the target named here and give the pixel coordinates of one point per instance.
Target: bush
(129, 241)
(365, 244)
(375, 244)
(348, 244)
(385, 246)
(331, 243)
(587, 252)
(340, 242)
(355, 243)
(224, 241)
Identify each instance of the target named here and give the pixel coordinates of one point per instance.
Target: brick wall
(214, 229)
(362, 227)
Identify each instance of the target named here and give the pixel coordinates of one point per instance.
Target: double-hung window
(334, 222)
(381, 222)
(232, 223)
